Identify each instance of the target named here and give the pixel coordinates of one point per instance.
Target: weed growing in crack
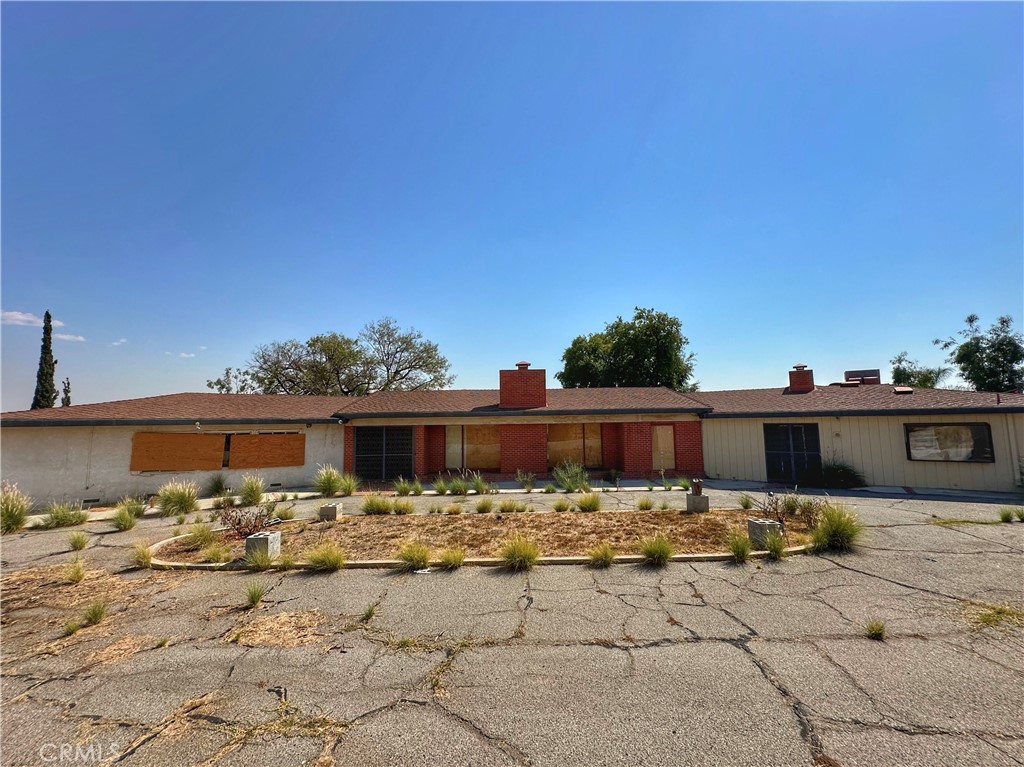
(986, 615)
(368, 614)
(75, 572)
(94, 613)
(875, 629)
(123, 520)
(254, 593)
(78, 540)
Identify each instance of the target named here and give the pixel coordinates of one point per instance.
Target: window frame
(972, 425)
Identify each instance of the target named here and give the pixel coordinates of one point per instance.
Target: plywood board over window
(483, 448)
(166, 451)
(663, 448)
(257, 451)
(574, 442)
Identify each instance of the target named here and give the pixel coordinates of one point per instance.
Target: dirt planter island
(561, 537)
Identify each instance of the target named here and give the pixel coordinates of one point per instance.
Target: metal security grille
(383, 453)
(792, 452)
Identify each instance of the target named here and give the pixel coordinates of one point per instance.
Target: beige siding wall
(734, 449)
(83, 462)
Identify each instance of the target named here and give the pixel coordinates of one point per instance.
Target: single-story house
(893, 435)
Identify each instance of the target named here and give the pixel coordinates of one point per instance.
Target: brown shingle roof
(859, 400)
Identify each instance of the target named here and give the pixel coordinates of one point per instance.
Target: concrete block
(329, 512)
(696, 503)
(759, 529)
(264, 543)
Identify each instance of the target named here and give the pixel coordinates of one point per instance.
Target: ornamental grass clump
(775, 545)
(252, 490)
(525, 479)
(519, 553)
(177, 497)
(484, 506)
(562, 504)
(838, 529)
(459, 486)
(402, 506)
(254, 593)
(572, 476)
(417, 486)
(478, 483)
(656, 550)
(441, 486)
(327, 557)
(875, 629)
(508, 506)
(601, 556)
(644, 503)
(200, 535)
(123, 520)
(746, 502)
(63, 515)
(259, 560)
(414, 556)
(216, 486)
(375, 504)
(75, 572)
(216, 553)
(14, 508)
(134, 505)
(328, 481)
(1006, 514)
(349, 485)
(78, 540)
(739, 547)
(142, 556)
(589, 502)
(451, 559)
(402, 486)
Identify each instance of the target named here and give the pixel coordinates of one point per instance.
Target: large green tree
(384, 357)
(908, 372)
(46, 390)
(992, 360)
(648, 350)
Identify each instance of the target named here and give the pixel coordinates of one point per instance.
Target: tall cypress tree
(46, 389)
(65, 395)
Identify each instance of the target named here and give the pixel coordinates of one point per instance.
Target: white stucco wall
(77, 463)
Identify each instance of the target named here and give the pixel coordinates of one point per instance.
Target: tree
(383, 358)
(908, 372)
(649, 350)
(46, 391)
(65, 396)
(990, 361)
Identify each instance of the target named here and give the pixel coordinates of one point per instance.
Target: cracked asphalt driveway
(692, 664)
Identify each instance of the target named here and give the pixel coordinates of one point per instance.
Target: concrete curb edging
(394, 564)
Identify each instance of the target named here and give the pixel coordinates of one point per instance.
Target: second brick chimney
(522, 388)
(801, 380)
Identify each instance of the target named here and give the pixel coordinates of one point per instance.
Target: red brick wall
(435, 445)
(636, 450)
(524, 446)
(350, 449)
(611, 445)
(522, 388)
(689, 449)
(419, 451)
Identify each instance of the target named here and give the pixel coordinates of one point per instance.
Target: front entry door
(792, 452)
(663, 448)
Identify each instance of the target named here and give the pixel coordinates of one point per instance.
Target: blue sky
(819, 183)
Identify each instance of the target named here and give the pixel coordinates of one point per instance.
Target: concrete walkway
(696, 664)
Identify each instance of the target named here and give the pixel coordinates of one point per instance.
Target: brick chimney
(801, 380)
(522, 388)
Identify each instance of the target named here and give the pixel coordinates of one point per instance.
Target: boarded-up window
(453, 447)
(592, 444)
(663, 448)
(163, 451)
(574, 442)
(257, 451)
(969, 442)
(483, 448)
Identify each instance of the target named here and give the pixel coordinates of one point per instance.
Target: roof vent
(903, 390)
(522, 365)
(849, 384)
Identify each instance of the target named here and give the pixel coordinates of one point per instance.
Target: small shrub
(94, 613)
(259, 560)
(441, 486)
(326, 556)
(838, 529)
(286, 514)
(414, 556)
(75, 572)
(349, 484)
(376, 504)
(484, 506)
(216, 553)
(452, 559)
(78, 540)
(839, 474)
(775, 545)
(417, 487)
(402, 506)
(478, 483)
(644, 503)
(452, 509)
(123, 520)
(177, 497)
(63, 515)
(402, 486)
(179, 520)
(550, 488)
(525, 479)
(561, 504)
(875, 629)
(458, 486)
(519, 553)
(572, 476)
(14, 508)
(248, 520)
(602, 555)
(739, 547)
(1006, 514)
(589, 502)
(142, 556)
(252, 490)
(790, 503)
(328, 481)
(656, 550)
(216, 486)
(133, 505)
(254, 593)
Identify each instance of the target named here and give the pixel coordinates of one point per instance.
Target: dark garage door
(792, 452)
(383, 453)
